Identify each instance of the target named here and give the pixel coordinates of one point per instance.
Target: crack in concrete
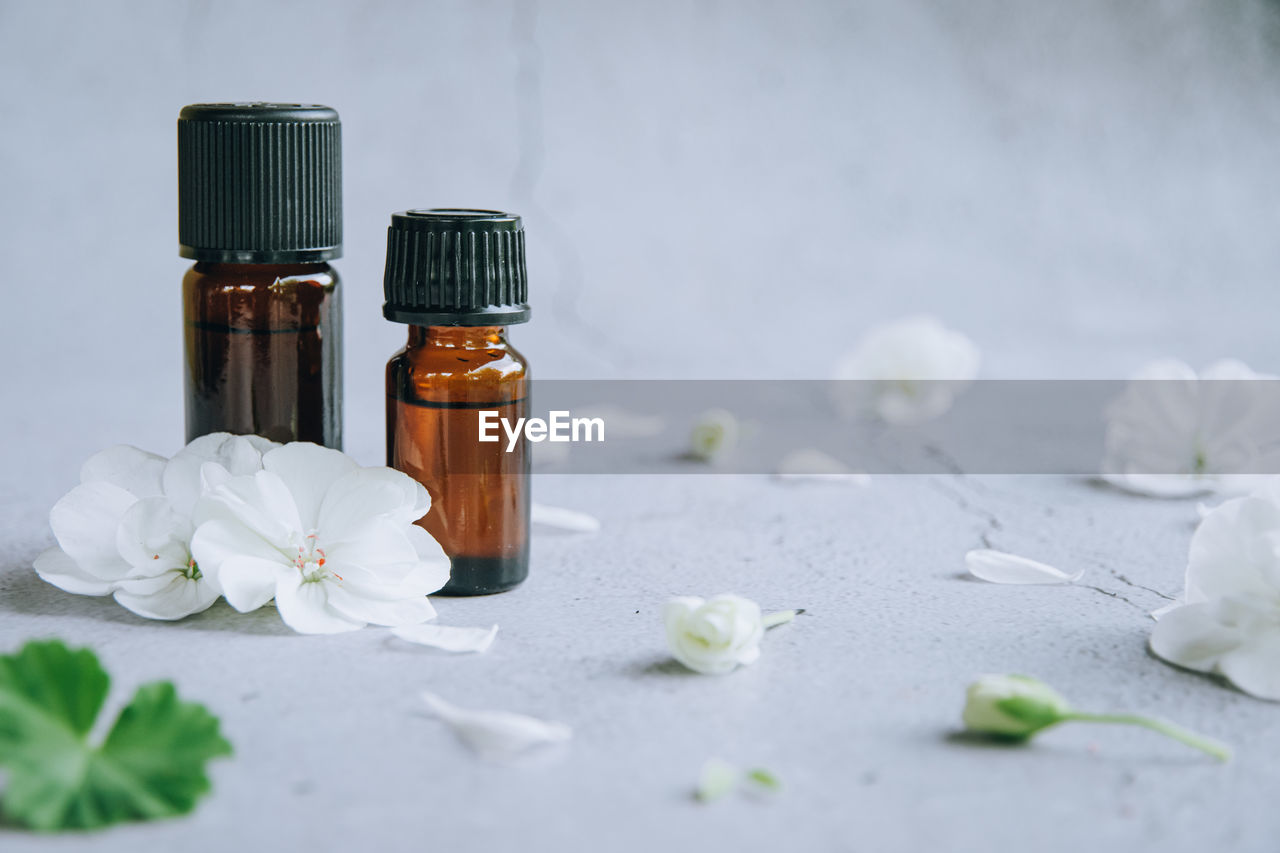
(1154, 591)
(993, 525)
(1112, 594)
(991, 521)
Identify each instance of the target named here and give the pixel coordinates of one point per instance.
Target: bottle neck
(216, 268)
(462, 337)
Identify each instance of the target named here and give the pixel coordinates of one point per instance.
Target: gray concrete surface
(711, 190)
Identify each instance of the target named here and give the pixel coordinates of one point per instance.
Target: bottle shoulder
(447, 372)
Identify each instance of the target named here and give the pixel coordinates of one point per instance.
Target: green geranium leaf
(150, 765)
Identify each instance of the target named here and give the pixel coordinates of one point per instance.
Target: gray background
(711, 190)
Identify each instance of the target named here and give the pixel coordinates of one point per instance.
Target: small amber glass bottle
(260, 211)
(457, 277)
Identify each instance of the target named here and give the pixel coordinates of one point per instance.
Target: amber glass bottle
(457, 277)
(260, 211)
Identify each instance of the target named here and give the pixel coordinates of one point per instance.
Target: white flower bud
(714, 435)
(714, 636)
(1014, 706)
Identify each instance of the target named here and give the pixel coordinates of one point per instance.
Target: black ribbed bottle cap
(259, 183)
(448, 267)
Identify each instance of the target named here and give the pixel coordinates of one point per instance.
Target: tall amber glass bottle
(260, 211)
(457, 277)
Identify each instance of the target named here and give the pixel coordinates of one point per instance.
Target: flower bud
(714, 435)
(1013, 706)
(714, 636)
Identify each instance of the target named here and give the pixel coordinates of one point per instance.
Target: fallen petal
(814, 465)
(563, 519)
(450, 638)
(717, 778)
(999, 567)
(1161, 485)
(497, 735)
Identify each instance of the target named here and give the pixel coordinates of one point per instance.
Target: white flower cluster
(906, 372)
(1175, 432)
(334, 544)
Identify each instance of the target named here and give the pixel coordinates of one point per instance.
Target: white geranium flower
(906, 372)
(717, 636)
(126, 529)
(1176, 433)
(1229, 619)
(333, 543)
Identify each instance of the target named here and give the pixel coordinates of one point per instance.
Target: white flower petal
(177, 597)
(304, 607)
(717, 778)
(217, 542)
(563, 519)
(1255, 666)
(308, 471)
(260, 503)
(429, 551)
(250, 582)
(358, 595)
(236, 454)
(212, 475)
(85, 521)
(136, 471)
(1000, 567)
(1236, 637)
(1233, 552)
(370, 494)
(1161, 485)
(1194, 636)
(426, 577)
(379, 542)
(55, 567)
(812, 465)
(153, 537)
(450, 638)
(497, 735)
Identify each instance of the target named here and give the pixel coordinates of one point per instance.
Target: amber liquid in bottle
(263, 351)
(436, 388)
